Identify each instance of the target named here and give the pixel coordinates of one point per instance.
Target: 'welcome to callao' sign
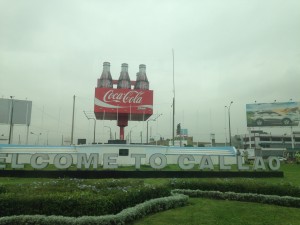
(109, 161)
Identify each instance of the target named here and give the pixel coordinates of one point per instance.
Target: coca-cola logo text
(134, 97)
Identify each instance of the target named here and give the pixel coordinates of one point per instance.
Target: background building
(267, 144)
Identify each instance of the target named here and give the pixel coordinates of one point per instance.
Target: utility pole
(72, 132)
(11, 120)
(229, 128)
(173, 130)
(91, 116)
(147, 126)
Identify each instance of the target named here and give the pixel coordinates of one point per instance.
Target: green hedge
(77, 203)
(126, 216)
(2, 189)
(239, 186)
(245, 197)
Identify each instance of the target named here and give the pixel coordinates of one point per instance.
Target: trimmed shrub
(77, 203)
(239, 186)
(246, 197)
(126, 216)
(2, 189)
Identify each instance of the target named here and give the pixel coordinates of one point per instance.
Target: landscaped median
(122, 201)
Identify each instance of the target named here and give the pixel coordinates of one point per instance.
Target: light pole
(159, 138)
(229, 128)
(91, 116)
(11, 120)
(147, 131)
(148, 122)
(73, 118)
(130, 134)
(213, 140)
(110, 136)
(38, 137)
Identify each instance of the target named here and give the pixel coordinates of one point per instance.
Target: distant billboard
(18, 110)
(184, 132)
(273, 114)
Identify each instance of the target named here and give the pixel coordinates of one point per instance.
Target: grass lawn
(213, 212)
(291, 173)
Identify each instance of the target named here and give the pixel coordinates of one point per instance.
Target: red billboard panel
(111, 103)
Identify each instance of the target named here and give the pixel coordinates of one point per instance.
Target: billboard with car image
(273, 114)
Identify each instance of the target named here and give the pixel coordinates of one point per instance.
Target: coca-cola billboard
(110, 102)
(123, 103)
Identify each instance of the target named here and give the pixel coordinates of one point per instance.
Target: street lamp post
(229, 125)
(110, 135)
(213, 140)
(38, 137)
(91, 116)
(147, 131)
(11, 120)
(147, 125)
(159, 138)
(130, 140)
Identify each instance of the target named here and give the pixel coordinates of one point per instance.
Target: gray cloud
(241, 51)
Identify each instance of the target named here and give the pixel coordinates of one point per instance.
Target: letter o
(277, 163)
(163, 161)
(59, 157)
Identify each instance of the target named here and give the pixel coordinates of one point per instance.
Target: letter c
(181, 162)
(34, 161)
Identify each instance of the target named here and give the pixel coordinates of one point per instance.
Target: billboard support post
(27, 134)
(250, 139)
(292, 138)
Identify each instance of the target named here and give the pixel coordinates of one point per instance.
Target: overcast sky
(225, 50)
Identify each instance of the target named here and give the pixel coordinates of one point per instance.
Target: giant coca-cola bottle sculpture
(124, 80)
(105, 80)
(118, 100)
(141, 79)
